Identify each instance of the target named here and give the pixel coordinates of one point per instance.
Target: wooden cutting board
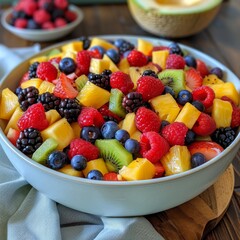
(197, 217)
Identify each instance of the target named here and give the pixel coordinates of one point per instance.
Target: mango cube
(124, 65)
(160, 57)
(68, 169)
(144, 46)
(101, 42)
(75, 46)
(129, 124)
(98, 65)
(52, 116)
(112, 66)
(35, 82)
(96, 164)
(38, 59)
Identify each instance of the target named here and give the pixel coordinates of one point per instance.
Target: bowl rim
(37, 32)
(121, 183)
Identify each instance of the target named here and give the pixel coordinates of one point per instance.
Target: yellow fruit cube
(136, 135)
(222, 113)
(96, 164)
(9, 102)
(61, 131)
(101, 42)
(188, 115)
(67, 169)
(98, 65)
(138, 169)
(75, 46)
(46, 86)
(144, 46)
(124, 65)
(38, 59)
(35, 82)
(160, 57)
(76, 129)
(129, 124)
(52, 116)
(112, 65)
(211, 79)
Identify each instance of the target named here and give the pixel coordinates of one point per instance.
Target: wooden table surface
(221, 40)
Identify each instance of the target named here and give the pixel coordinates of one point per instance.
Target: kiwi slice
(115, 102)
(54, 52)
(174, 78)
(80, 82)
(41, 154)
(113, 153)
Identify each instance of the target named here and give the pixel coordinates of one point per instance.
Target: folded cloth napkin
(26, 214)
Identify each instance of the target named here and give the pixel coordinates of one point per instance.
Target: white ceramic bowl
(120, 198)
(42, 35)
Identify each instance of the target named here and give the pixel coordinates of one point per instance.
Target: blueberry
(118, 42)
(67, 65)
(79, 162)
(169, 90)
(109, 129)
(164, 123)
(125, 54)
(32, 24)
(95, 175)
(217, 71)
(184, 96)
(57, 159)
(132, 146)
(197, 159)
(122, 135)
(100, 49)
(114, 55)
(190, 61)
(199, 105)
(175, 49)
(190, 137)
(90, 134)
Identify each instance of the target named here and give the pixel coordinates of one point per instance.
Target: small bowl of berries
(41, 20)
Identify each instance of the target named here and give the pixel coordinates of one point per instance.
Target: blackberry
(49, 101)
(224, 136)
(102, 80)
(69, 109)
(175, 49)
(86, 42)
(125, 46)
(32, 71)
(149, 72)
(29, 141)
(27, 97)
(132, 101)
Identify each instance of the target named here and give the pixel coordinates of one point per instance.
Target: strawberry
(121, 81)
(83, 60)
(193, 78)
(90, 116)
(175, 61)
(202, 68)
(79, 146)
(149, 87)
(64, 87)
(47, 71)
(33, 117)
(175, 133)
(107, 114)
(159, 170)
(13, 135)
(153, 146)
(208, 149)
(111, 176)
(137, 58)
(147, 120)
(24, 78)
(205, 125)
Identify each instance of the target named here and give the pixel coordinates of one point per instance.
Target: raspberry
(149, 87)
(62, 4)
(147, 120)
(235, 122)
(175, 61)
(205, 95)
(47, 71)
(70, 16)
(205, 125)
(121, 81)
(137, 58)
(60, 22)
(48, 25)
(20, 23)
(79, 146)
(41, 16)
(29, 7)
(83, 61)
(175, 133)
(90, 116)
(153, 146)
(34, 117)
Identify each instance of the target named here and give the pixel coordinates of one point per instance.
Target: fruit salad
(120, 111)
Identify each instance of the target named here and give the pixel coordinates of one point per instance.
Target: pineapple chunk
(177, 160)
(212, 79)
(38, 59)
(144, 46)
(76, 129)
(93, 96)
(61, 131)
(96, 164)
(52, 116)
(136, 135)
(166, 107)
(160, 58)
(138, 169)
(222, 113)
(35, 82)
(46, 86)
(9, 102)
(75, 46)
(101, 42)
(98, 65)
(188, 115)
(68, 169)
(112, 65)
(69, 54)
(128, 123)
(124, 65)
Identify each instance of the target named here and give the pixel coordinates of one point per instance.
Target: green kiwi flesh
(115, 102)
(80, 82)
(113, 153)
(173, 78)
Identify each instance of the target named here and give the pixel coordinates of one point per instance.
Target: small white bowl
(42, 35)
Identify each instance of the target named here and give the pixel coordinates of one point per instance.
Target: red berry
(90, 116)
(147, 120)
(175, 133)
(175, 61)
(149, 87)
(24, 78)
(205, 125)
(70, 15)
(30, 7)
(110, 176)
(193, 78)
(60, 22)
(159, 170)
(205, 95)
(61, 4)
(202, 68)
(41, 16)
(137, 58)
(83, 61)
(47, 71)
(34, 117)
(106, 113)
(153, 146)
(79, 146)
(13, 135)
(48, 25)
(20, 23)
(121, 81)
(235, 122)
